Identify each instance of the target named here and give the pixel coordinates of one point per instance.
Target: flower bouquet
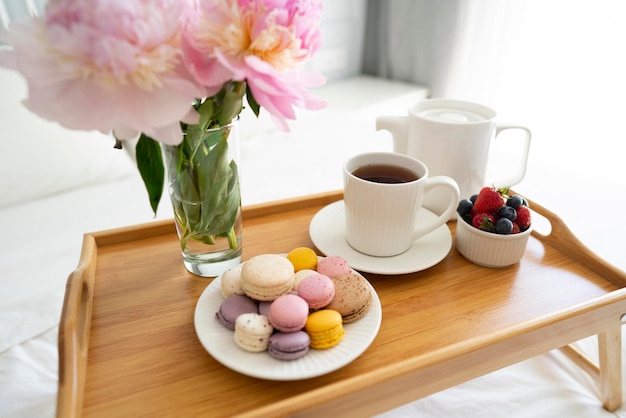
(175, 74)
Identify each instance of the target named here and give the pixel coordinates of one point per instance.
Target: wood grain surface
(128, 346)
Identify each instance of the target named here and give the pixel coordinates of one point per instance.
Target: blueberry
(465, 206)
(504, 226)
(515, 201)
(507, 212)
(473, 198)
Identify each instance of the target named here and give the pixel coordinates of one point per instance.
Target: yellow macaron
(325, 328)
(302, 258)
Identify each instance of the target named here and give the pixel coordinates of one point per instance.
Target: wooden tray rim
(75, 323)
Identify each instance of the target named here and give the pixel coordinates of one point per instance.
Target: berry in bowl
(493, 227)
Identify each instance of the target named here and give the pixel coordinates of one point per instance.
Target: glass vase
(203, 183)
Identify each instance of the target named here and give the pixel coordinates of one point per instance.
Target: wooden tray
(127, 344)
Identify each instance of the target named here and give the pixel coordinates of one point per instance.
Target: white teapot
(453, 138)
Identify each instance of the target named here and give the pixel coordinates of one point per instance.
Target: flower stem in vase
(204, 189)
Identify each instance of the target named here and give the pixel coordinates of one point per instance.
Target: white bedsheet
(41, 241)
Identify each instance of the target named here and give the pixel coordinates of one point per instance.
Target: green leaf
(231, 107)
(206, 114)
(198, 143)
(256, 108)
(150, 165)
(214, 176)
(187, 210)
(205, 174)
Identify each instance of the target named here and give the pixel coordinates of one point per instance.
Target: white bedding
(41, 237)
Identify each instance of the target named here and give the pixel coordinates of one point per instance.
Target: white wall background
(343, 32)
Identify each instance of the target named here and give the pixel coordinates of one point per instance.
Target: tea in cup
(383, 194)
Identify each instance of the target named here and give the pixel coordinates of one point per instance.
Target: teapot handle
(398, 126)
(518, 176)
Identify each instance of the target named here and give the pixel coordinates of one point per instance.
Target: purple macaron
(288, 345)
(232, 307)
(264, 308)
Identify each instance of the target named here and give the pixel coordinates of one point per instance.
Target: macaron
(301, 274)
(252, 332)
(333, 265)
(302, 258)
(288, 313)
(231, 282)
(264, 307)
(353, 297)
(324, 328)
(265, 277)
(317, 289)
(289, 346)
(232, 307)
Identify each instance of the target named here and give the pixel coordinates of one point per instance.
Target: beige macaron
(353, 297)
(265, 277)
(231, 282)
(252, 332)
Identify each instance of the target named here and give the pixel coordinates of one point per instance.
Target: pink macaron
(288, 313)
(333, 265)
(317, 289)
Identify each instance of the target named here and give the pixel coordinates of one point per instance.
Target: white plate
(219, 342)
(327, 231)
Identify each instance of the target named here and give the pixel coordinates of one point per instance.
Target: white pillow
(40, 158)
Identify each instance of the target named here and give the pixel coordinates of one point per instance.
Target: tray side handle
(563, 239)
(74, 331)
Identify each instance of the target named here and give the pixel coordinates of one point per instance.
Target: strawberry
(489, 199)
(484, 221)
(523, 217)
(516, 229)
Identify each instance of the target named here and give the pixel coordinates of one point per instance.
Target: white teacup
(453, 138)
(382, 214)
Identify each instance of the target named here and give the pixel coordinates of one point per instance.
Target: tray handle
(74, 331)
(563, 239)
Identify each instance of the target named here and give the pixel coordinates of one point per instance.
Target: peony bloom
(262, 42)
(160, 69)
(109, 65)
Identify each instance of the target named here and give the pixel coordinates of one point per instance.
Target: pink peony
(262, 42)
(109, 65)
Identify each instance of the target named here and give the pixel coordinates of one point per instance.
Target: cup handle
(452, 188)
(521, 172)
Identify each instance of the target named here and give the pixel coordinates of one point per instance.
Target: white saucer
(327, 233)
